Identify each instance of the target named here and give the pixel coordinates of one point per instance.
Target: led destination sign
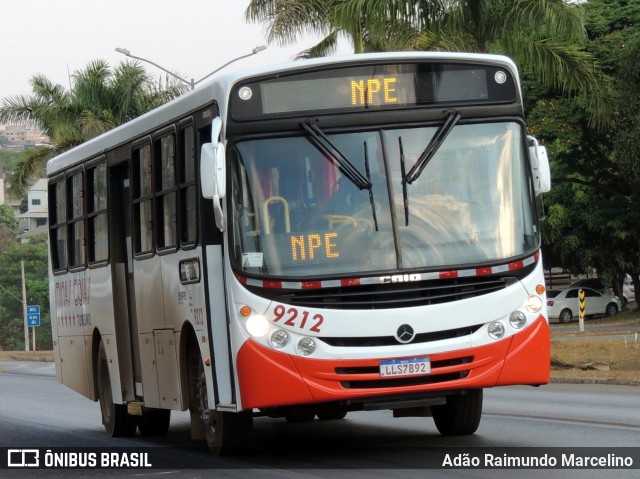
(315, 248)
(373, 87)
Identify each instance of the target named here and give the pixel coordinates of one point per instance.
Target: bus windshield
(296, 212)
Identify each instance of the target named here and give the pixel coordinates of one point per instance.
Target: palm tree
(545, 37)
(288, 20)
(98, 100)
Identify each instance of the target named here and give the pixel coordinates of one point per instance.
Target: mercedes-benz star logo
(405, 334)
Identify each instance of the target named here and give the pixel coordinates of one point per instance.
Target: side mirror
(213, 171)
(207, 167)
(539, 166)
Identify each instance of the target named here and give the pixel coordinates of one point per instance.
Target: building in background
(22, 136)
(34, 221)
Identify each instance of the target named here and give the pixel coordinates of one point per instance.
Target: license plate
(405, 367)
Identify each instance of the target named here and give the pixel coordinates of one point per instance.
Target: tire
(332, 413)
(117, 422)
(300, 416)
(154, 422)
(461, 415)
(332, 416)
(565, 316)
(225, 432)
(612, 309)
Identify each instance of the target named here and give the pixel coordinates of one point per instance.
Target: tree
(288, 20)
(34, 256)
(546, 38)
(594, 207)
(9, 227)
(99, 100)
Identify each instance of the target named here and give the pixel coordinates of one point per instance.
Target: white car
(564, 304)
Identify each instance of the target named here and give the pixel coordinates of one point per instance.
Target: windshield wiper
(405, 196)
(322, 143)
(436, 141)
(371, 201)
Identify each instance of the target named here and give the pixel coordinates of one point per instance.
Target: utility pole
(24, 309)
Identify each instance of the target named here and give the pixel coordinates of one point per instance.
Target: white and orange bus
(332, 235)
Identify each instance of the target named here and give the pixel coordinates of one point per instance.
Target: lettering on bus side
(72, 292)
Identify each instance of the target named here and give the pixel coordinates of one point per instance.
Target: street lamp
(192, 83)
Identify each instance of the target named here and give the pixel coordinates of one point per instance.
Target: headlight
(306, 346)
(517, 319)
(279, 339)
(533, 304)
(257, 325)
(496, 330)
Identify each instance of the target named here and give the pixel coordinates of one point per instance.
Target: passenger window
(188, 199)
(77, 221)
(143, 200)
(58, 231)
(166, 192)
(97, 220)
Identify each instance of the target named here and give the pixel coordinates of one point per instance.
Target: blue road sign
(33, 316)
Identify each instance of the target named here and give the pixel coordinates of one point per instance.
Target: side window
(75, 186)
(97, 219)
(188, 200)
(572, 293)
(165, 163)
(58, 225)
(143, 200)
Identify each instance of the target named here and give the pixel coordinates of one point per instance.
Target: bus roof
(219, 87)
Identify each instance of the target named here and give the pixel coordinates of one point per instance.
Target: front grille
(403, 382)
(396, 295)
(350, 342)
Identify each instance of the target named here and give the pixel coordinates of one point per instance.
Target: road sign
(33, 316)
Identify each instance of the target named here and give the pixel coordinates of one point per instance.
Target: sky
(188, 37)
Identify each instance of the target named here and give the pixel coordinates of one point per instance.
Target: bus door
(123, 282)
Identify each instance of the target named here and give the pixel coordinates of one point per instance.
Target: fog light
(306, 346)
(517, 319)
(496, 330)
(279, 339)
(257, 325)
(533, 304)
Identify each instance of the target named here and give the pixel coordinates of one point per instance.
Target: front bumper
(268, 378)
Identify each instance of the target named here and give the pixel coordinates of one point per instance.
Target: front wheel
(115, 418)
(612, 309)
(460, 415)
(224, 431)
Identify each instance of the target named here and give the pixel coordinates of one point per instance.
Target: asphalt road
(37, 412)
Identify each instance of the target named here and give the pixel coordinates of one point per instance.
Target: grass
(26, 356)
(608, 351)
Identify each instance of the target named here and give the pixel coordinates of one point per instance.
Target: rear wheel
(565, 316)
(117, 422)
(460, 415)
